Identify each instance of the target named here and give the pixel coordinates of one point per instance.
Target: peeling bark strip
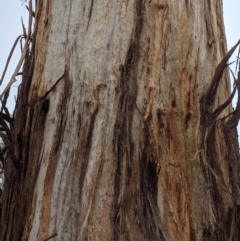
(29, 145)
(23, 167)
(233, 156)
(15, 173)
(209, 97)
(120, 133)
(210, 163)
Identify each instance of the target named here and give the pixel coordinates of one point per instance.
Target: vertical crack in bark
(90, 13)
(123, 142)
(153, 222)
(56, 148)
(208, 20)
(146, 210)
(87, 150)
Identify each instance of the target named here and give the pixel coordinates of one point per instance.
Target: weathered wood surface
(125, 152)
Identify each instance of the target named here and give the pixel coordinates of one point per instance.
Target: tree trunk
(117, 133)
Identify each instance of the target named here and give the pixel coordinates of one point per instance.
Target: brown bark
(117, 131)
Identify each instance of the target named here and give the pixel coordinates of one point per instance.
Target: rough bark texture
(126, 145)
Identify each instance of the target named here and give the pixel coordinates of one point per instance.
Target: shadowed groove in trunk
(123, 141)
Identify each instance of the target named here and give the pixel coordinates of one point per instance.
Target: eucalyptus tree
(124, 128)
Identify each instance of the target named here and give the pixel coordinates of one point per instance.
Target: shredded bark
(208, 153)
